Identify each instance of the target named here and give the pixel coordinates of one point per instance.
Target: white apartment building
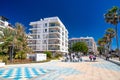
(92, 47)
(4, 24)
(48, 34)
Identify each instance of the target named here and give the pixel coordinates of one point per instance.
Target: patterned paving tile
(48, 71)
(22, 72)
(107, 65)
(54, 71)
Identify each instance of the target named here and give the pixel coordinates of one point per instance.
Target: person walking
(90, 57)
(79, 57)
(94, 57)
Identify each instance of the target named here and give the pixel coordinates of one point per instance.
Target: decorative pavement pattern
(22, 73)
(57, 70)
(43, 72)
(107, 65)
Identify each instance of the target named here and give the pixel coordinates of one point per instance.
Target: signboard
(40, 57)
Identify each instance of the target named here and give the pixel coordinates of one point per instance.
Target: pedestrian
(79, 57)
(90, 57)
(73, 57)
(94, 57)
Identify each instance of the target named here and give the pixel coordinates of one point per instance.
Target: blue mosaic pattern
(59, 71)
(107, 65)
(48, 71)
(21, 73)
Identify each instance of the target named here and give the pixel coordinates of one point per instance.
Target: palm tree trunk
(116, 29)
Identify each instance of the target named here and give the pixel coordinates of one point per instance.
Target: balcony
(55, 36)
(54, 31)
(54, 42)
(54, 25)
(57, 27)
(35, 28)
(1, 32)
(31, 44)
(2, 26)
(53, 47)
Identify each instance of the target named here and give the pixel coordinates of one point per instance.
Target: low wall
(2, 64)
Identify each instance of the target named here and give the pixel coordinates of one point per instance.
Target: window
(45, 24)
(44, 42)
(1, 23)
(38, 36)
(52, 24)
(87, 39)
(45, 30)
(34, 37)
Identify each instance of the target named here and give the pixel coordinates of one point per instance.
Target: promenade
(57, 70)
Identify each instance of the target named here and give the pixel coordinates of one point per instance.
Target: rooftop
(3, 18)
(82, 38)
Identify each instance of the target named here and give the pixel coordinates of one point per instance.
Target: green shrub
(48, 53)
(58, 55)
(4, 58)
(20, 55)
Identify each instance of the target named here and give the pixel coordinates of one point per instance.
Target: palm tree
(102, 43)
(110, 33)
(21, 45)
(14, 42)
(7, 38)
(113, 17)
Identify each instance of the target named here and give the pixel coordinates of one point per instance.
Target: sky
(81, 17)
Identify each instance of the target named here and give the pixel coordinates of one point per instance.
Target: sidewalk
(58, 70)
(114, 60)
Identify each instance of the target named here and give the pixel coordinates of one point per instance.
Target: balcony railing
(34, 28)
(53, 43)
(54, 36)
(2, 26)
(54, 31)
(31, 44)
(53, 49)
(54, 26)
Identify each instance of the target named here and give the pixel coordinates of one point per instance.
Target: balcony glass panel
(53, 24)
(54, 36)
(54, 42)
(54, 47)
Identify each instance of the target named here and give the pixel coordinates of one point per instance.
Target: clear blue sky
(81, 17)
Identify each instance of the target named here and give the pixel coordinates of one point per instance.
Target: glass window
(38, 36)
(1, 23)
(52, 24)
(87, 39)
(45, 30)
(45, 24)
(44, 42)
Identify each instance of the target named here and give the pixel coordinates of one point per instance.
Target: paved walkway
(57, 70)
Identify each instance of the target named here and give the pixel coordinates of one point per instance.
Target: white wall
(40, 57)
